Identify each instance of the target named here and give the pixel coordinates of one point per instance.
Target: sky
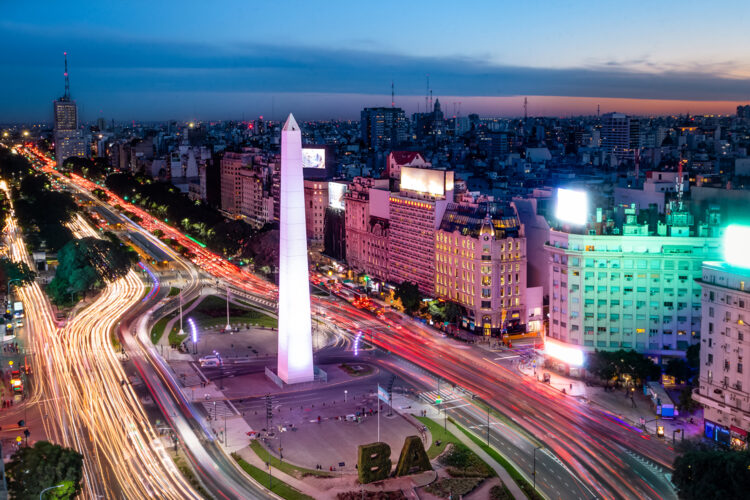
(198, 60)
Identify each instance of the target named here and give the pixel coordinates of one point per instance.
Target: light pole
(229, 327)
(345, 395)
(682, 435)
(50, 488)
(488, 425)
(534, 473)
(182, 332)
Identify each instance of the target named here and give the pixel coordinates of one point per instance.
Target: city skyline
(237, 62)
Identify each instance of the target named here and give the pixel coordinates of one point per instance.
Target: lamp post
(534, 473)
(50, 488)
(229, 327)
(682, 435)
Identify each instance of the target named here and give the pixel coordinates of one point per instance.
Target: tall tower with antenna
(393, 95)
(68, 140)
(525, 108)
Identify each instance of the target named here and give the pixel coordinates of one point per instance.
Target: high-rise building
(415, 215)
(480, 263)
(724, 383)
(616, 135)
(68, 139)
(383, 128)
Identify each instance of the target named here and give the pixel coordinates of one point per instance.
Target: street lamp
(682, 435)
(50, 488)
(534, 473)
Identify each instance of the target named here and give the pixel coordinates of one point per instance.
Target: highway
(580, 443)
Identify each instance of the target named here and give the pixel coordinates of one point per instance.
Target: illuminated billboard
(336, 191)
(427, 181)
(572, 206)
(313, 158)
(569, 355)
(736, 243)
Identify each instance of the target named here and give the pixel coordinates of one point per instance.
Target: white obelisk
(295, 359)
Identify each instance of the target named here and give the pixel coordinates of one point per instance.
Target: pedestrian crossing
(218, 409)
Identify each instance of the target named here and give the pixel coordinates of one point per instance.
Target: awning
(737, 430)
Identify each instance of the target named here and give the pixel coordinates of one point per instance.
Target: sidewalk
(618, 406)
(501, 472)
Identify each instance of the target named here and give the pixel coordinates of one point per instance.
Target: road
(600, 450)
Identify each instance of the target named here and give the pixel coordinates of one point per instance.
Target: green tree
(687, 404)
(693, 356)
(32, 469)
(712, 475)
(679, 369)
(410, 296)
(10, 270)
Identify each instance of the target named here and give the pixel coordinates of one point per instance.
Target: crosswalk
(446, 398)
(218, 409)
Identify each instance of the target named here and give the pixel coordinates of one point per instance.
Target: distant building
(68, 139)
(383, 128)
(724, 383)
(620, 135)
(398, 159)
(480, 263)
(231, 182)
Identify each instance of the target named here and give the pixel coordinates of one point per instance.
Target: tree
(32, 469)
(10, 270)
(687, 404)
(410, 296)
(712, 474)
(693, 356)
(679, 369)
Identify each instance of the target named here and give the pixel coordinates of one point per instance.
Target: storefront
(716, 432)
(737, 438)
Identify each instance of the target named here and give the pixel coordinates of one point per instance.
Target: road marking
(507, 357)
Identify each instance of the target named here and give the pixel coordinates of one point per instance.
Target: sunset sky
(225, 60)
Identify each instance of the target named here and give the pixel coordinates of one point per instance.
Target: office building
(316, 202)
(416, 212)
(367, 223)
(724, 382)
(68, 139)
(628, 288)
(616, 135)
(231, 181)
(383, 128)
(480, 263)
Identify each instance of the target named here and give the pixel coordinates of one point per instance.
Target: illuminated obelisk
(295, 361)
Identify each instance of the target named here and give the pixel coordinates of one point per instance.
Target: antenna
(525, 108)
(426, 91)
(66, 97)
(393, 95)
(597, 111)
(679, 183)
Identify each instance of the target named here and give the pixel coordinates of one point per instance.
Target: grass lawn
(173, 291)
(280, 488)
(455, 487)
(527, 488)
(212, 311)
(292, 470)
(438, 434)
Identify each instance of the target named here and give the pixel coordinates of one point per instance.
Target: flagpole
(378, 414)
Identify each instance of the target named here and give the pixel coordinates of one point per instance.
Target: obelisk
(295, 359)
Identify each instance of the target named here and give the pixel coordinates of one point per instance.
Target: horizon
(326, 64)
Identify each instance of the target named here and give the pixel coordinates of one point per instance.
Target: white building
(724, 382)
(627, 291)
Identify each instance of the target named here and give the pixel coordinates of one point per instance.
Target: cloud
(119, 65)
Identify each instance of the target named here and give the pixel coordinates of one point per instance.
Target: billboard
(313, 158)
(336, 191)
(736, 242)
(572, 206)
(424, 180)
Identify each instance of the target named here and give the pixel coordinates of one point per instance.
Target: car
(210, 361)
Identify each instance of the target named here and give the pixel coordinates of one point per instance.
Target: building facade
(627, 291)
(416, 212)
(383, 128)
(480, 263)
(367, 225)
(231, 181)
(316, 202)
(724, 382)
